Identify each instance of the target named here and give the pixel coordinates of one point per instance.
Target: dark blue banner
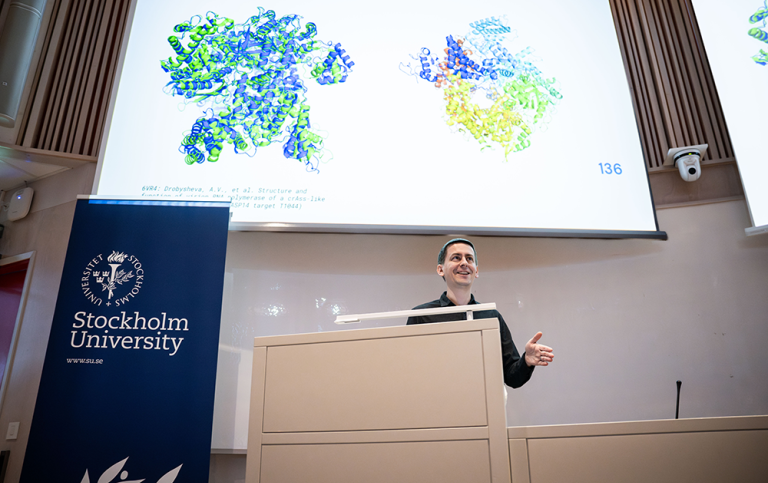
(127, 387)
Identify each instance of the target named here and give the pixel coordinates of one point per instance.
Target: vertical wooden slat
(675, 98)
(631, 50)
(642, 69)
(63, 74)
(40, 71)
(56, 81)
(73, 84)
(66, 78)
(699, 87)
(647, 89)
(714, 137)
(87, 108)
(79, 57)
(656, 117)
(693, 130)
(663, 90)
(116, 35)
(35, 124)
(717, 112)
(701, 111)
(89, 43)
(679, 87)
(675, 135)
(70, 85)
(668, 47)
(634, 89)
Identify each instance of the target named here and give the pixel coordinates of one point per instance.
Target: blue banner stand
(127, 387)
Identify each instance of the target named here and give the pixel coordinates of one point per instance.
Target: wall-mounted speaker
(17, 44)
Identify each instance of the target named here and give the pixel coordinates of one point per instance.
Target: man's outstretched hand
(537, 354)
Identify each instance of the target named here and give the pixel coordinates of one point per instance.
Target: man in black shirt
(457, 264)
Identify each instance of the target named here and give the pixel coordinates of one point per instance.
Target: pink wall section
(11, 285)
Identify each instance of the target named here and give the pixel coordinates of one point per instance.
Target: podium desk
(700, 450)
(421, 403)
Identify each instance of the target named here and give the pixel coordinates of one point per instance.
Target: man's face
(460, 266)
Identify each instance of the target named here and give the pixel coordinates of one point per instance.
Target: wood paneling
(404, 403)
(74, 80)
(418, 462)
(638, 458)
(673, 92)
(672, 450)
(675, 99)
(720, 181)
(433, 382)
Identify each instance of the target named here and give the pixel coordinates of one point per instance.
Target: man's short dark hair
(441, 255)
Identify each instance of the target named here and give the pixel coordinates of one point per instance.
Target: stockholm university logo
(111, 473)
(114, 280)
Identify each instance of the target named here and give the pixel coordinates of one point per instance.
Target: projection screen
(489, 117)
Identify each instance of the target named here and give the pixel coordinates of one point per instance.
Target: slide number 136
(607, 168)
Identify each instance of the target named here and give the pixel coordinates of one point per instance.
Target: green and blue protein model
(759, 17)
(249, 81)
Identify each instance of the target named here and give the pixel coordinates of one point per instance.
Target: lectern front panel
(714, 456)
(422, 462)
(376, 384)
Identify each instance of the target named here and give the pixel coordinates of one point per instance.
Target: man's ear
(440, 271)
(477, 272)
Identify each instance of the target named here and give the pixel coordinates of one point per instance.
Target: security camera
(687, 160)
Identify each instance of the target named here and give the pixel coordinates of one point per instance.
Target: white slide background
(395, 161)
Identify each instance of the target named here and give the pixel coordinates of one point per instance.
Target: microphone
(677, 409)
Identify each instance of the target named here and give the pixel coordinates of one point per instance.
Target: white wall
(627, 318)
(46, 231)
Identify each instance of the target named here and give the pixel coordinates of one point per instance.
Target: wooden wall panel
(673, 91)
(675, 99)
(74, 80)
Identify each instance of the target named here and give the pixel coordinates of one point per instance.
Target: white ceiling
(14, 173)
(19, 165)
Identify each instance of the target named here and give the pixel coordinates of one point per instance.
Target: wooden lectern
(420, 403)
